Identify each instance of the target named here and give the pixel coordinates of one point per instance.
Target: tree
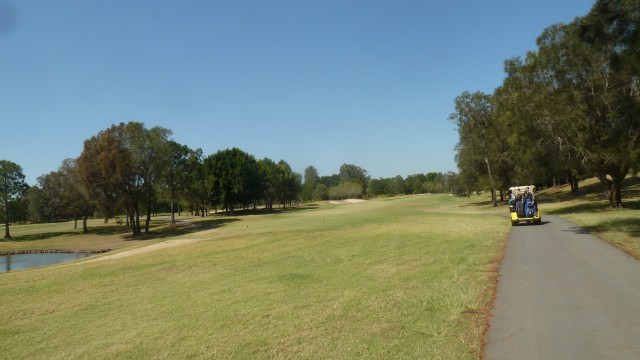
(475, 117)
(288, 183)
(149, 153)
(311, 180)
(269, 174)
(195, 187)
(104, 170)
(599, 104)
(73, 195)
(230, 178)
(122, 166)
(353, 174)
(12, 189)
(176, 175)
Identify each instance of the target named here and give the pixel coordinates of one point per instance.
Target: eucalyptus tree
(590, 108)
(175, 176)
(150, 153)
(414, 183)
(350, 173)
(104, 169)
(73, 194)
(121, 167)
(269, 175)
(475, 121)
(195, 187)
(51, 189)
(311, 180)
(12, 189)
(230, 175)
(288, 183)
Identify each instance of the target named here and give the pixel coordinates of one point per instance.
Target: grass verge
(589, 209)
(408, 277)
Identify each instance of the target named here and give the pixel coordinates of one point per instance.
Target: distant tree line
(131, 172)
(354, 182)
(566, 111)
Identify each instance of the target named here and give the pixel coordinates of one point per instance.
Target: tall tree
(230, 177)
(74, 197)
(150, 153)
(195, 189)
(269, 174)
(104, 169)
(598, 117)
(176, 176)
(12, 189)
(122, 166)
(288, 183)
(475, 119)
(350, 173)
(311, 179)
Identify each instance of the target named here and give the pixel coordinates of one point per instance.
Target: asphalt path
(564, 294)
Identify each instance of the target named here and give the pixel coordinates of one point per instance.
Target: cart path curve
(564, 294)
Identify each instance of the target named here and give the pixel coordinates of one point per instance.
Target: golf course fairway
(404, 277)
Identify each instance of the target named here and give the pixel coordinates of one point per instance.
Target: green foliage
(121, 167)
(568, 109)
(232, 178)
(12, 190)
(311, 180)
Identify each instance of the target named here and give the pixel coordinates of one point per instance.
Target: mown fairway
(407, 277)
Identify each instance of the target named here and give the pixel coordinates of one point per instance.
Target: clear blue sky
(319, 83)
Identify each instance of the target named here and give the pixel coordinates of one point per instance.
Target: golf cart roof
(522, 189)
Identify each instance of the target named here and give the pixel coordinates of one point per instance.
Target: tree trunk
(148, 220)
(617, 178)
(7, 235)
(494, 199)
(137, 220)
(132, 221)
(173, 214)
(84, 225)
(573, 180)
(606, 187)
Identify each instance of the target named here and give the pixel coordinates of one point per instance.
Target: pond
(13, 262)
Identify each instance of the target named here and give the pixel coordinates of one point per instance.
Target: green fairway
(407, 277)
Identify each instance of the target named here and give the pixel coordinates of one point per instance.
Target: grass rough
(405, 277)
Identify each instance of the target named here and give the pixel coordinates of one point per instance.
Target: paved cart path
(564, 294)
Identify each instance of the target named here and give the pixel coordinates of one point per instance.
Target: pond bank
(54, 251)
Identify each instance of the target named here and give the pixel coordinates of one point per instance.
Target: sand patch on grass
(347, 201)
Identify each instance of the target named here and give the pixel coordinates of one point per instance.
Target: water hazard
(14, 262)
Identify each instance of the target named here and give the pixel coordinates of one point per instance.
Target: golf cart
(523, 205)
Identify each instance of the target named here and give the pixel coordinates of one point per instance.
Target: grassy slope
(590, 210)
(404, 277)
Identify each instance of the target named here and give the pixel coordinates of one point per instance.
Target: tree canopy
(565, 111)
(12, 188)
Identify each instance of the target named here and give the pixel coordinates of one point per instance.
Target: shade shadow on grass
(41, 236)
(630, 226)
(184, 228)
(579, 209)
(275, 210)
(158, 230)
